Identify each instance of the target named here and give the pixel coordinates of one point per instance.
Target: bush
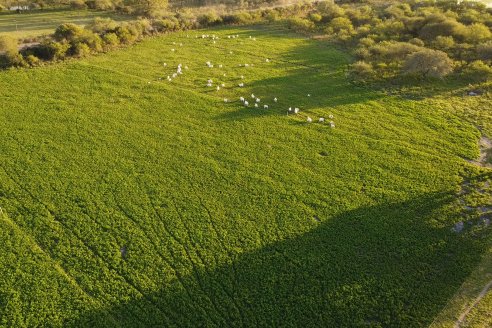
(239, 18)
(477, 33)
(366, 42)
(78, 4)
(32, 60)
(315, 17)
(428, 63)
(361, 71)
(329, 10)
(478, 70)
(102, 4)
(167, 24)
(444, 27)
(485, 51)
(340, 23)
(102, 25)
(209, 19)
(443, 42)
(417, 42)
(81, 50)
(110, 40)
(390, 51)
(186, 20)
(8, 45)
(300, 24)
(49, 50)
(92, 40)
(271, 15)
(68, 32)
(125, 34)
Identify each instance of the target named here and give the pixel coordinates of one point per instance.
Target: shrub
(81, 49)
(443, 42)
(300, 24)
(92, 40)
(68, 31)
(102, 4)
(478, 70)
(390, 51)
(8, 45)
(485, 51)
(329, 10)
(340, 23)
(209, 19)
(428, 63)
(166, 24)
(239, 18)
(315, 17)
(417, 42)
(125, 34)
(32, 60)
(78, 4)
(142, 27)
(445, 27)
(271, 15)
(361, 70)
(110, 40)
(49, 50)
(102, 25)
(477, 33)
(186, 20)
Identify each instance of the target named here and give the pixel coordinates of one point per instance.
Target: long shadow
(388, 265)
(314, 68)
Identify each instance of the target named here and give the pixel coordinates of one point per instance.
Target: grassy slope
(39, 22)
(226, 214)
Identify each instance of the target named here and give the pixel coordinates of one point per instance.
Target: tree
(428, 63)
(477, 33)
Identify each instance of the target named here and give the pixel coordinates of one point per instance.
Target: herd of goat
(255, 100)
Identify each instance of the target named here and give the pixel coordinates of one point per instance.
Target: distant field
(128, 200)
(38, 22)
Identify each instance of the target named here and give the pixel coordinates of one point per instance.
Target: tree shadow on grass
(388, 265)
(310, 76)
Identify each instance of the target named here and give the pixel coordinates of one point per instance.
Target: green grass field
(128, 200)
(39, 22)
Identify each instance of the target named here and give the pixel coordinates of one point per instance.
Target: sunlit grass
(152, 202)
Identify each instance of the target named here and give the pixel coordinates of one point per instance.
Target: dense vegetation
(131, 200)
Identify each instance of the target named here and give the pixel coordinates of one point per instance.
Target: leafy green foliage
(157, 204)
(428, 62)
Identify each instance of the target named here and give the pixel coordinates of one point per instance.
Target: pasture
(130, 200)
(41, 22)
